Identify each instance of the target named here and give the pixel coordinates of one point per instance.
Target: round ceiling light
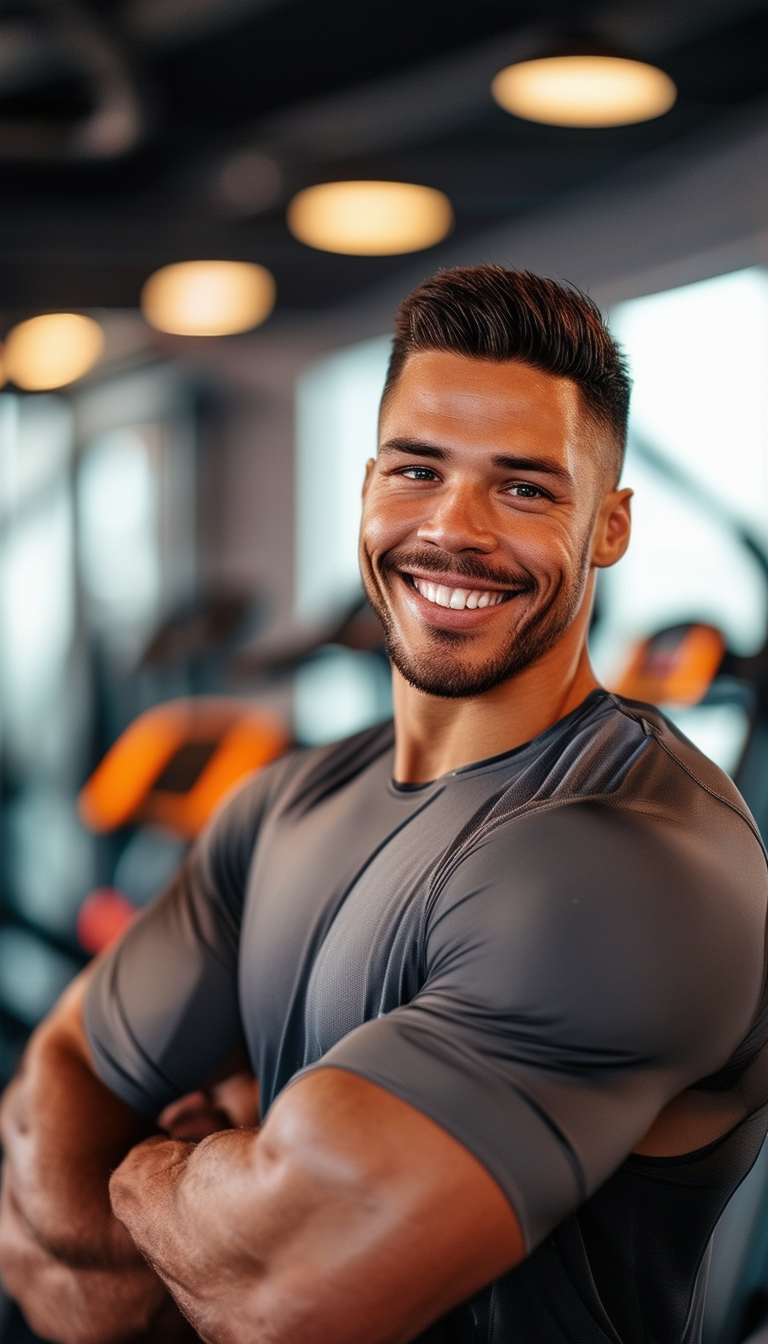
(584, 90)
(52, 350)
(208, 298)
(370, 219)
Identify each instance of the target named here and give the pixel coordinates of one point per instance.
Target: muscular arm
(350, 1217)
(63, 1255)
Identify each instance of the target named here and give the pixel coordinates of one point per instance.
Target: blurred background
(210, 211)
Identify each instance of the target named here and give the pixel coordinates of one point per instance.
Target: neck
(434, 735)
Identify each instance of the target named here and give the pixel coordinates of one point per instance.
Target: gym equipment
(174, 763)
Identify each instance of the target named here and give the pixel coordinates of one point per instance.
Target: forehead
(458, 401)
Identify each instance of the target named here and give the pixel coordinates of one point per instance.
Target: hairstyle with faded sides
(486, 312)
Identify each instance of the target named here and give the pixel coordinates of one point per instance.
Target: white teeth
(457, 599)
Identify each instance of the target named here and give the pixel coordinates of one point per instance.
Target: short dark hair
(490, 313)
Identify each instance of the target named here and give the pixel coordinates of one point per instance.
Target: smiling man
(499, 969)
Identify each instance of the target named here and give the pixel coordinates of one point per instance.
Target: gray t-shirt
(537, 951)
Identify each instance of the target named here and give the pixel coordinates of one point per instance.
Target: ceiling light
(208, 298)
(584, 90)
(370, 219)
(52, 350)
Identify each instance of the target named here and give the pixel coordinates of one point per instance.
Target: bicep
(162, 1014)
(351, 1216)
(577, 978)
(401, 1222)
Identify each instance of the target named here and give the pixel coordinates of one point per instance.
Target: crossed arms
(349, 1216)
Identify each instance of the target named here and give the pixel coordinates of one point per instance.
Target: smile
(457, 599)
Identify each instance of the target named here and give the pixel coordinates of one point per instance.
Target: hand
(337, 1221)
(64, 1257)
(84, 1306)
(231, 1104)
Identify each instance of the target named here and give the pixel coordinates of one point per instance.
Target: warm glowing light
(52, 350)
(370, 219)
(208, 298)
(584, 91)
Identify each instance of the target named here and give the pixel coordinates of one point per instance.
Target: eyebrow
(503, 461)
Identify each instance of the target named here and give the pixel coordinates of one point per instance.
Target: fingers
(238, 1097)
(233, 1103)
(193, 1118)
(144, 1180)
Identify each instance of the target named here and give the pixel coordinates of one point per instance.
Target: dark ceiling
(138, 132)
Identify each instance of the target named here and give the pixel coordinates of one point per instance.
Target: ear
(613, 528)
(369, 469)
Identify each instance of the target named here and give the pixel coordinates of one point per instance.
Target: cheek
(383, 526)
(544, 547)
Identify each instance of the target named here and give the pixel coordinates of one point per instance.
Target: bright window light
(337, 408)
(36, 608)
(117, 510)
(339, 693)
(35, 444)
(37, 601)
(698, 356)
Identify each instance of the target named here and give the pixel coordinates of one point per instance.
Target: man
(499, 973)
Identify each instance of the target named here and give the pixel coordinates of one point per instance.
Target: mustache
(461, 566)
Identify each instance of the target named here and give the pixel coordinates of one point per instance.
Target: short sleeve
(161, 1011)
(582, 966)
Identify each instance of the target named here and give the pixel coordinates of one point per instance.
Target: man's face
(479, 518)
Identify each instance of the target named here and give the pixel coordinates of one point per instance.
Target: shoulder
(622, 920)
(680, 769)
(617, 790)
(628, 753)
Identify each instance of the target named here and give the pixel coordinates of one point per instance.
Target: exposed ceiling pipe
(116, 123)
(166, 22)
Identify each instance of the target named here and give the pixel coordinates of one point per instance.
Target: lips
(457, 599)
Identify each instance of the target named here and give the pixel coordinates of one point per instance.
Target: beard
(444, 667)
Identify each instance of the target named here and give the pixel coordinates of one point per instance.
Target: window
(698, 462)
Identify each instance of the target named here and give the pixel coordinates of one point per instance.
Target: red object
(103, 917)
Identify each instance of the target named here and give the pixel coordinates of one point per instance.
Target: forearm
(63, 1255)
(63, 1133)
(335, 1222)
(182, 1207)
(85, 1306)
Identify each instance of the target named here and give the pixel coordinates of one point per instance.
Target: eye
(419, 474)
(525, 490)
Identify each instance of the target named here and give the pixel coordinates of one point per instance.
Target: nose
(460, 520)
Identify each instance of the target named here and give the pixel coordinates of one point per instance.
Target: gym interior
(196, 333)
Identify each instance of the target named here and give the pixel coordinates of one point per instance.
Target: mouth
(454, 598)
